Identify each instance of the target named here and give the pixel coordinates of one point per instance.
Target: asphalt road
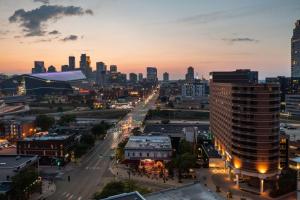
(91, 173)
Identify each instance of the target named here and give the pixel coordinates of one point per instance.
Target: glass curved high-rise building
(295, 50)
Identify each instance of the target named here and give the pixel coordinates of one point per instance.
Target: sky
(209, 35)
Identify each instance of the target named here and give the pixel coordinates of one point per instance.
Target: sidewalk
(120, 172)
(217, 177)
(47, 190)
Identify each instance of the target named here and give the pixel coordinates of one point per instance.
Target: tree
(60, 109)
(44, 122)
(22, 184)
(185, 147)
(87, 139)
(184, 162)
(100, 129)
(136, 131)
(110, 189)
(120, 149)
(118, 187)
(66, 119)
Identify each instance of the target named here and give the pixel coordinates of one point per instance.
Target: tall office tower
(113, 69)
(190, 76)
(85, 65)
(166, 77)
(39, 67)
(100, 67)
(152, 74)
(72, 65)
(83, 62)
(101, 75)
(88, 61)
(140, 76)
(64, 68)
(133, 77)
(51, 69)
(244, 120)
(295, 54)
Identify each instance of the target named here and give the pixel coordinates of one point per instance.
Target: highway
(93, 170)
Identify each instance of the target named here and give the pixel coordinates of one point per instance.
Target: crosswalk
(70, 196)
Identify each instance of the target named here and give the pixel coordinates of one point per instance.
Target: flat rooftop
(194, 191)
(126, 196)
(47, 137)
(149, 142)
(172, 129)
(10, 164)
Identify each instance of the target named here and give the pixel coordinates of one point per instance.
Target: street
(92, 171)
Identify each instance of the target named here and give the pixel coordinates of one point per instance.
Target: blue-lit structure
(54, 83)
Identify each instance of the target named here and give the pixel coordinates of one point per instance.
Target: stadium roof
(61, 76)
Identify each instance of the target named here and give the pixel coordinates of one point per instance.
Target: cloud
(240, 39)
(4, 32)
(42, 1)
(220, 15)
(54, 32)
(44, 40)
(34, 22)
(70, 38)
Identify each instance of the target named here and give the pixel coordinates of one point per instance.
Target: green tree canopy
(66, 119)
(22, 182)
(118, 187)
(44, 122)
(185, 147)
(100, 129)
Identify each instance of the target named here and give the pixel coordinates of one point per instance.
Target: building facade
(166, 77)
(72, 62)
(190, 76)
(244, 119)
(50, 147)
(133, 78)
(148, 147)
(39, 67)
(152, 74)
(192, 90)
(292, 104)
(295, 50)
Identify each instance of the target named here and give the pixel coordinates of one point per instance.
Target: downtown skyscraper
(295, 50)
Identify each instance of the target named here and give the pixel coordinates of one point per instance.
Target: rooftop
(126, 196)
(149, 142)
(10, 164)
(194, 191)
(61, 76)
(51, 136)
(172, 129)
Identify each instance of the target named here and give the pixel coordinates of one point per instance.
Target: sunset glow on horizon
(133, 34)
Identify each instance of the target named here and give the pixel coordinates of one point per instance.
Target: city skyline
(169, 35)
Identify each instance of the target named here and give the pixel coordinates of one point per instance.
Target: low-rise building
(15, 129)
(52, 148)
(10, 166)
(148, 147)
